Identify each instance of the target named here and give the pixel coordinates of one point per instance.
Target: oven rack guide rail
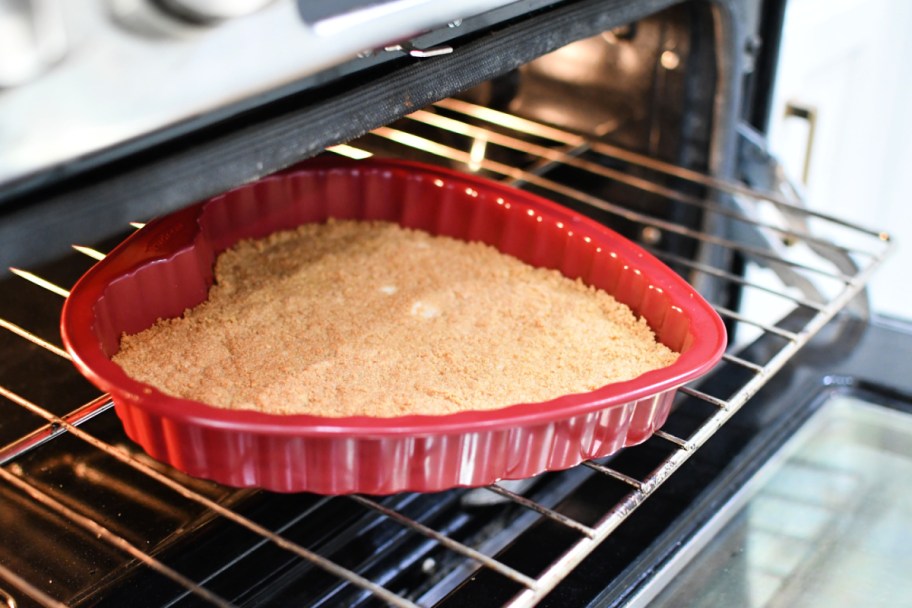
(822, 276)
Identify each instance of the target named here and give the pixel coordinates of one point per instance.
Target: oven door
(804, 495)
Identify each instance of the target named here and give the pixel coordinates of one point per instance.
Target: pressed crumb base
(368, 318)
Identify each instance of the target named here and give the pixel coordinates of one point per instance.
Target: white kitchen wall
(850, 61)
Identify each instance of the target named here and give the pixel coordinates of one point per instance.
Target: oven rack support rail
(836, 269)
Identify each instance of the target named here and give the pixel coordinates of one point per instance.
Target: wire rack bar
(88, 251)
(35, 279)
(448, 542)
(7, 599)
(541, 509)
(732, 278)
(630, 481)
(24, 333)
(27, 588)
(443, 151)
(561, 157)
(772, 329)
(220, 509)
(677, 441)
(742, 363)
(692, 392)
(571, 558)
(537, 129)
(109, 537)
(50, 430)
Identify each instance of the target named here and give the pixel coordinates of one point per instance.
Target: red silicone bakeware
(166, 267)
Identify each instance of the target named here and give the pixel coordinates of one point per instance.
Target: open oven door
(812, 508)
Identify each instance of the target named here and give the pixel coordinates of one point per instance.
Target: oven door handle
(806, 112)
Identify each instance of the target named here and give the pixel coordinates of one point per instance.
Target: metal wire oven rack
(821, 277)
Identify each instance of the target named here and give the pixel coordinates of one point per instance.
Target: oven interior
(636, 120)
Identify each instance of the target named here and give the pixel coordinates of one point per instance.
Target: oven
(648, 116)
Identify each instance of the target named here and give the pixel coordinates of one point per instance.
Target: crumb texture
(367, 318)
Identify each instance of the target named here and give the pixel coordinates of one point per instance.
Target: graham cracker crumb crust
(368, 318)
